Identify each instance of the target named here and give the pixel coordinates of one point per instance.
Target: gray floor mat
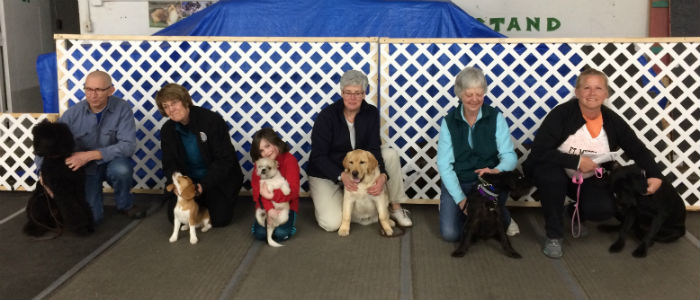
(315, 264)
(484, 272)
(11, 203)
(29, 266)
(144, 265)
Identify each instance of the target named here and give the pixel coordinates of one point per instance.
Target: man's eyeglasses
(96, 90)
(356, 94)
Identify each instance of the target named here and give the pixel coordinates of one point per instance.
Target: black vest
(485, 151)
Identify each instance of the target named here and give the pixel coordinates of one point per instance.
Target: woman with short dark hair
(196, 142)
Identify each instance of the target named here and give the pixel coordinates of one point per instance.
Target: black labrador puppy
(658, 217)
(484, 218)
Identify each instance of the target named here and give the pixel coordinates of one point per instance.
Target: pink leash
(578, 179)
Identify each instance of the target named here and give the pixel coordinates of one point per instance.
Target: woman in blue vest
(474, 140)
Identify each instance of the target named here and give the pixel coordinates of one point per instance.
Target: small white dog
(186, 212)
(270, 175)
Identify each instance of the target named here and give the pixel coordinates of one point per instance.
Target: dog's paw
(617, 246)
(172, 239)
(387, 233)
(458, 253)
(193, 240)
(344, 231)
(206, 227)
(640, 252)
(184, 227)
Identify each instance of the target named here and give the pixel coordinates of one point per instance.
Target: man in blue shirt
(104, 130)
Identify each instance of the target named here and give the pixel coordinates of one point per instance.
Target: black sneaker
(134, 212)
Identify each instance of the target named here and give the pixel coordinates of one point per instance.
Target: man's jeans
(119, 174)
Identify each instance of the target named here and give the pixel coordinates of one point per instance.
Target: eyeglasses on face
(96, 90)
(353, 94)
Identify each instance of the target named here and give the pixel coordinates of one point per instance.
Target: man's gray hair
(470, 77)
(354, 77)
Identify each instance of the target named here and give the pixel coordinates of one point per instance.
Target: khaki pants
(328, 196)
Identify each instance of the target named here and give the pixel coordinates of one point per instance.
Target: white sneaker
(513, 228)
(401, 216)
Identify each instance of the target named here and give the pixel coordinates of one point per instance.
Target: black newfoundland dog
(658, 217)
(484, 220)
(68, 208)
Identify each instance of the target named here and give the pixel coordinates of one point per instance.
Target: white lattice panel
(526, 80)
(252, 83)
(17, 169)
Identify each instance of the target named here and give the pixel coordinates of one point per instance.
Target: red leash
(578, 179)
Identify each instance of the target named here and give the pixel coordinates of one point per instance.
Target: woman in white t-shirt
(574, 139)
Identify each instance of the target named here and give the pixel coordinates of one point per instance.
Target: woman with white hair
(346, 125)
(474, 140)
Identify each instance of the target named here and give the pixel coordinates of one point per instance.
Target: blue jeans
(451, 216)
(119, 174)
(281, 233)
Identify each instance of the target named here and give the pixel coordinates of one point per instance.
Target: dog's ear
(346, 161)
(372, 162)
(170, 187)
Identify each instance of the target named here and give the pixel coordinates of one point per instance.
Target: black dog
(658, 217)
(484, 218)
(68, 208)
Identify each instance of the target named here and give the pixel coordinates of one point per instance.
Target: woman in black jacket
(195, 141)
(571, 141)
(347, 124)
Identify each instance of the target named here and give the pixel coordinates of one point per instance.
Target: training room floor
(132, 259)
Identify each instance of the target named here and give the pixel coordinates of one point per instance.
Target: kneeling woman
(196, 142)
(267, 144)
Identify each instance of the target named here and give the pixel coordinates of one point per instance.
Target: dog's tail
(270, 241)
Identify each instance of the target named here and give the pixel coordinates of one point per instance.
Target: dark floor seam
(241, 270)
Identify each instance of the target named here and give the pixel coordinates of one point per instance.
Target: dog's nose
(354, 173)
(262, 171)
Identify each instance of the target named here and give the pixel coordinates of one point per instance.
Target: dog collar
(486, 190)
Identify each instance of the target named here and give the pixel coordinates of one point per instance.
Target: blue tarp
(48, 81)
(307, 18)
(331, 18)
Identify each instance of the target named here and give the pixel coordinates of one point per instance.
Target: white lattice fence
(17, 169)
(527, 79)
(251, 82)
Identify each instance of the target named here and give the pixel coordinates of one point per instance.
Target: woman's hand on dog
(483, 171)
(347, 182)
(653, 184)
(265, 193)
(378, 186)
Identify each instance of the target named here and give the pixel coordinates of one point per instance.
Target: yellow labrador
(359, 206)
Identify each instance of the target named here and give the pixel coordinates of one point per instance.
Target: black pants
(596, 201)
(220, 206)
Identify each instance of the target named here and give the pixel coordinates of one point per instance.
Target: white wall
(589, 18)
(115, 17)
